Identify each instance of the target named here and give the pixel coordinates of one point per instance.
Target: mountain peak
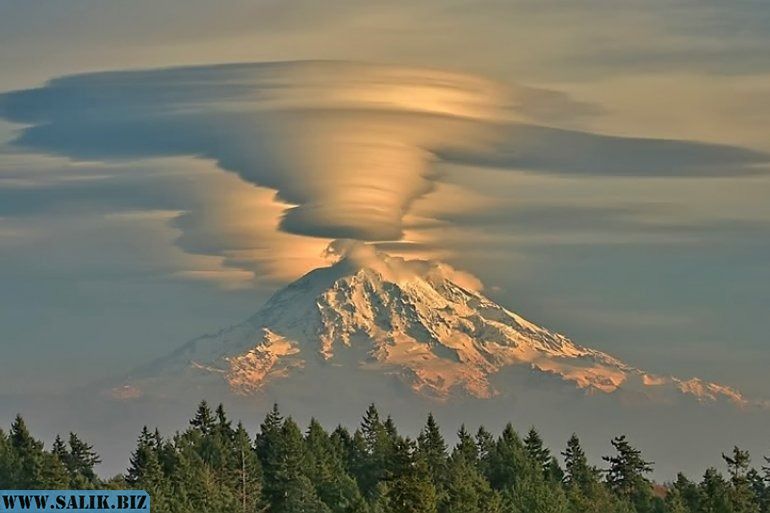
(357, 258)
(422, 322)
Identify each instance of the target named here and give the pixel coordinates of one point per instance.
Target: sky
(602, 167)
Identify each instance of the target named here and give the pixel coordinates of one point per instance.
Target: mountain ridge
(422, 322)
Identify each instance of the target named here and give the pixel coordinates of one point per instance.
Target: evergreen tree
(714, 493)
(391, 431)
(372, 449)
(342, 442)
(269, 433)
(626, 475)
(222, 425)
(167, 453)
(358, 462)
(466, 489)
(28, 461)
(433, 450)
(378, 499)
(522, 470)
(759, 488)
(577, 471)
(766, 480)
(59, 449)
(206, 462)
(268, 448)
(138, 461)
(485, 444)
(222, 440)
(213, 467)
(533, 494)
(372, 428)
(326, 470)
(411, 489)
(203, 488)
(80, 461)
(594, 498)
(288, 489)
(741, 493)
(688, 492)
(7, 461)
(675, 503)
(538, 453)
(467, 446)
(245, 472)
(212, 437)
(55, 472)
(146, 473)
(508, 462)
(203, 420)
(553, 471)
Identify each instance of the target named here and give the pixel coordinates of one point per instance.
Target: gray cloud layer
(557, 151)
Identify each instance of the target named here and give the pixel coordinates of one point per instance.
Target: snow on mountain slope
(421, 321)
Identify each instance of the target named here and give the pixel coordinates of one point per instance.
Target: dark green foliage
(687, 492)
(371, 449)
(626, 475)
(582, 483)
(244, 472)
(326, 470)
(25, 464)
(466, 489)
(28, 460)
(432, 449)
(533, 494)
(742, 493)
(714, 494)
(675, 503)
(342, 444)
(761, 489)
(467, 447)
(538, 453)
(214, 467)
(390, 429)
(269, 433)
(203, 420)
(54, 471)
(59, 449)
(145, 471)
(553, 471)
(288, 488)
(79, 461)
(7, 464)
(507, 463)
(410, 489)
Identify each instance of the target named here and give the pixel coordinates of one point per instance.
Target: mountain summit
(420, 322)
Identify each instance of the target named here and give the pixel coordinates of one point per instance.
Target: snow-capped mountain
(421, 322)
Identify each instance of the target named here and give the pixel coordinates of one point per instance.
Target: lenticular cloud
(347, 145)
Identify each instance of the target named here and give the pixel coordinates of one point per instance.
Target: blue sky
(621, 198)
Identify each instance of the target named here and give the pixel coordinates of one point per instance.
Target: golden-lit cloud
(273, 161)
(349, 146)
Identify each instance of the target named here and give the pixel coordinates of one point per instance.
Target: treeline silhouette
(215, 467)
